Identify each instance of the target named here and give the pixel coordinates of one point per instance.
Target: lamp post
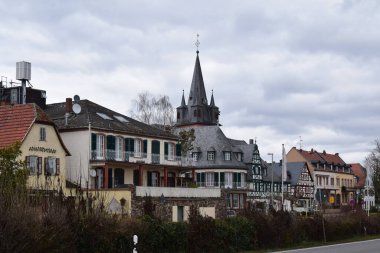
(271, 187)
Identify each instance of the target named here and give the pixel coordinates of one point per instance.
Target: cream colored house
(42, 148)
(334, 180)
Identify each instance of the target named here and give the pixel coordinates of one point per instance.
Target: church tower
(197, 111)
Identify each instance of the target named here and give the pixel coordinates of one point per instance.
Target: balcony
(128, 156)
(232, 185)
(175, 192)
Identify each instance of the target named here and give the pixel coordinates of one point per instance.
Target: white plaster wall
(78, 144)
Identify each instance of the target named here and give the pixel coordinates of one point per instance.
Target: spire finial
(197, 43)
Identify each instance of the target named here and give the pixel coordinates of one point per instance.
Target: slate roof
(294, 170)
(16, 121)
(360, 172)
(212, 138)
(90, 113)
(197, 95)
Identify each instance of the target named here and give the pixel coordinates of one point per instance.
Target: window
(14, 96)
(211, 155)
(195, 156)
(228, 179)
(338, 181)
(42, 134)
(121, 119)
(33, 164)
(138, 148)
(171, 150)
(332, 181)
(239, 157)
(178, 115)
(52, 166)
(227, 156)
(210, 179)
(153, 178)
(119, 148)
(236, 200)
(104, 116)
(100, 146)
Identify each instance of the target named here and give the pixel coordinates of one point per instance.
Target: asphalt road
(370, 246)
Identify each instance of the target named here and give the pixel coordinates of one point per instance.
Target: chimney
(68, 109)
(337, 154)
(250, 141)
(69, 105)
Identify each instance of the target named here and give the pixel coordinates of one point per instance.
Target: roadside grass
(316, 244)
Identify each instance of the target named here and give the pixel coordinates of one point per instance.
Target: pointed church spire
(197, 95)
(212, 103)
(183, 98)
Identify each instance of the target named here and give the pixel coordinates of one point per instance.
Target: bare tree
(372, 162)
(152, 109)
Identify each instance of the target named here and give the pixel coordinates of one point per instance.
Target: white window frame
(138, 148)
(228, 179)
(239, 156)
(42, 134)
(99, 146)
(195, 156)
(171, 150)
(209, 179)
(227, 156)
(52, 165)
(119, 148)
(33, 165)
(211, 155)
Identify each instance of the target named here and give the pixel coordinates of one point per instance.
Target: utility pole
(271, 187)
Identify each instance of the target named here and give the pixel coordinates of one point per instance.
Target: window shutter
(216, 178)
(127, 145)
(111, 142)
(46, 166)
(198, 177)
(145, 148)
(39, 165)
(222, 178)
(57, 166)
(239, 177)
(132, 144)
(178, 150)
(93, 141)
(27, 161)
(149, 178)
(202, 177)
(166, 149)
(235, 177)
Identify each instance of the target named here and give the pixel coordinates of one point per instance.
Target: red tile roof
(323, 157)
(360, 172)
(16, 120)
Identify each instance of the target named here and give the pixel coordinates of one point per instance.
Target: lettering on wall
(42, 149)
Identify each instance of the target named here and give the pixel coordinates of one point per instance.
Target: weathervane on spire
(197, 43)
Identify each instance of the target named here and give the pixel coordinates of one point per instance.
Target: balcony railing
(232, 185)
(128, 156)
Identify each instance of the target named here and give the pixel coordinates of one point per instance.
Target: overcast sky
(279, 69)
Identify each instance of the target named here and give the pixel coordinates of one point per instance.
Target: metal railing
(128, 156)
(232, 185)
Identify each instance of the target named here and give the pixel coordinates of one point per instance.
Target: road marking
(327, 246)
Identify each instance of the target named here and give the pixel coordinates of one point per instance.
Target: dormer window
(227, 156)
(195, 156)
(239, 156)
(42, 134)
(211, 155)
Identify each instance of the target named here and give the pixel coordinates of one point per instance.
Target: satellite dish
(76, 98)
(92, 173)
(76, 108)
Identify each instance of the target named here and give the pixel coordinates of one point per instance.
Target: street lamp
(271, 187)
